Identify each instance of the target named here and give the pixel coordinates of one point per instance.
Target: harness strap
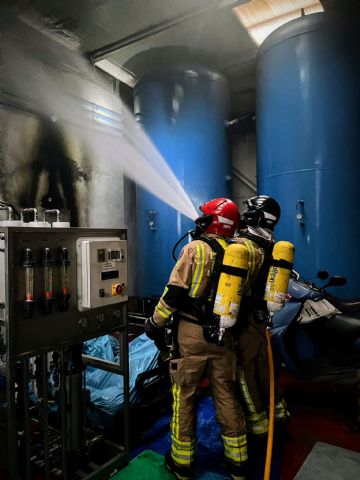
(235, 271)
(215, 274)
(282, 264)
(201, 306)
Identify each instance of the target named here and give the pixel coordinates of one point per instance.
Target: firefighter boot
(181, 473)
(237, 472)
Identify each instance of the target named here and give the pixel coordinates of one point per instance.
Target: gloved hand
(151, 328)
(155, 333)
(261, 316)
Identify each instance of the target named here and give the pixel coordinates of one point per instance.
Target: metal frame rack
(42, 361)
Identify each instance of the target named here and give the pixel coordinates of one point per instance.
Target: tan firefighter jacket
(189, 278)
(256, 253)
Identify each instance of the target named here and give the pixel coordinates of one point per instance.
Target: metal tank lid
(299, 26)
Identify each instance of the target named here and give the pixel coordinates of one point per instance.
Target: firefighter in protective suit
(256, 233)
(198, 353)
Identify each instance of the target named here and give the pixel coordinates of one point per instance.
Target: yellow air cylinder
(231, 285)
(279, 275)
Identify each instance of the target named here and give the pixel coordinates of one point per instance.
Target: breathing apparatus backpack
(279, 275)
(231, 284)
(270, 288)
(217, 309)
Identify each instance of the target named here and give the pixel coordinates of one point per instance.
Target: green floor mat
(146, 466)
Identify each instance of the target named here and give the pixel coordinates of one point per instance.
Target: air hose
(270, 440)
(193, 233)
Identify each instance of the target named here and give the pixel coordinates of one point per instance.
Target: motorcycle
(317, 335)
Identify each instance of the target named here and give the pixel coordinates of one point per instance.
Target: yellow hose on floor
(271, 409)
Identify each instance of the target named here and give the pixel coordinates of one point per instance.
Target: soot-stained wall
(45, 165)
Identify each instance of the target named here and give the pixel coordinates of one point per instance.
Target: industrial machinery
(59, 287)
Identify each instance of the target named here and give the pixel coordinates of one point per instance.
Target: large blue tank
(183, 109)
(308, 133)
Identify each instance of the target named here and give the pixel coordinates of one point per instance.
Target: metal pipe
(27, 439)
(159, 28)
(236, 121)
(136, 316)
(45, 422)
(76, 427)
(63, 413)
(12, 426)
(103, 364)
(240, 176)
(124, 362)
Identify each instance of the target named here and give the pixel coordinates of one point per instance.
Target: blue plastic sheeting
(209, 447)
(107, 389)
(106, 347)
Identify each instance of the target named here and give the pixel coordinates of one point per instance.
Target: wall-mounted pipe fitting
(152, 216)
(300, 212)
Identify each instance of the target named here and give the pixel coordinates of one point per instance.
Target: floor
(320, 413)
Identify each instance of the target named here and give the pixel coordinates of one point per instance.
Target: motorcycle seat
(351, 305)
(344, 326)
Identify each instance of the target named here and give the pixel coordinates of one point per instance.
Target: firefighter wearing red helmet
(187, 293)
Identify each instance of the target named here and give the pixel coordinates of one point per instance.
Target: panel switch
(116, 289)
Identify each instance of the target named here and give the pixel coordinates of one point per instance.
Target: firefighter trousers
(253, 378)
(198, 359)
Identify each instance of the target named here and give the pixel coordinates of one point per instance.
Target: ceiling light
(261, 17)
(117, 71)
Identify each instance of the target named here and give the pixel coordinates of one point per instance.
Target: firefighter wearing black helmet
(259, 219)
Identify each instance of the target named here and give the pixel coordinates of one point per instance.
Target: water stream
(43, 75)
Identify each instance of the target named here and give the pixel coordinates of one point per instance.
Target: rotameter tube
(47, 263)
(28, 266)
(64, 268)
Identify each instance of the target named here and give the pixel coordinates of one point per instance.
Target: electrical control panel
(59, 285)
(102, 271)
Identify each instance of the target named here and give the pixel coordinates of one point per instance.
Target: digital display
(110, 274)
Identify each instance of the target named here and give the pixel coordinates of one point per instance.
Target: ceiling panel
(215, 38)
(101, 22)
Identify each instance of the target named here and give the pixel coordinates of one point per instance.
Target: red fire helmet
(220, 216)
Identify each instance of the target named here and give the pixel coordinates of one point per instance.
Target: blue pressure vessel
(183, 109)
(308, 130)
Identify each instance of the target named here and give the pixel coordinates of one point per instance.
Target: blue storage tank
(308, 134)
(183, 109)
